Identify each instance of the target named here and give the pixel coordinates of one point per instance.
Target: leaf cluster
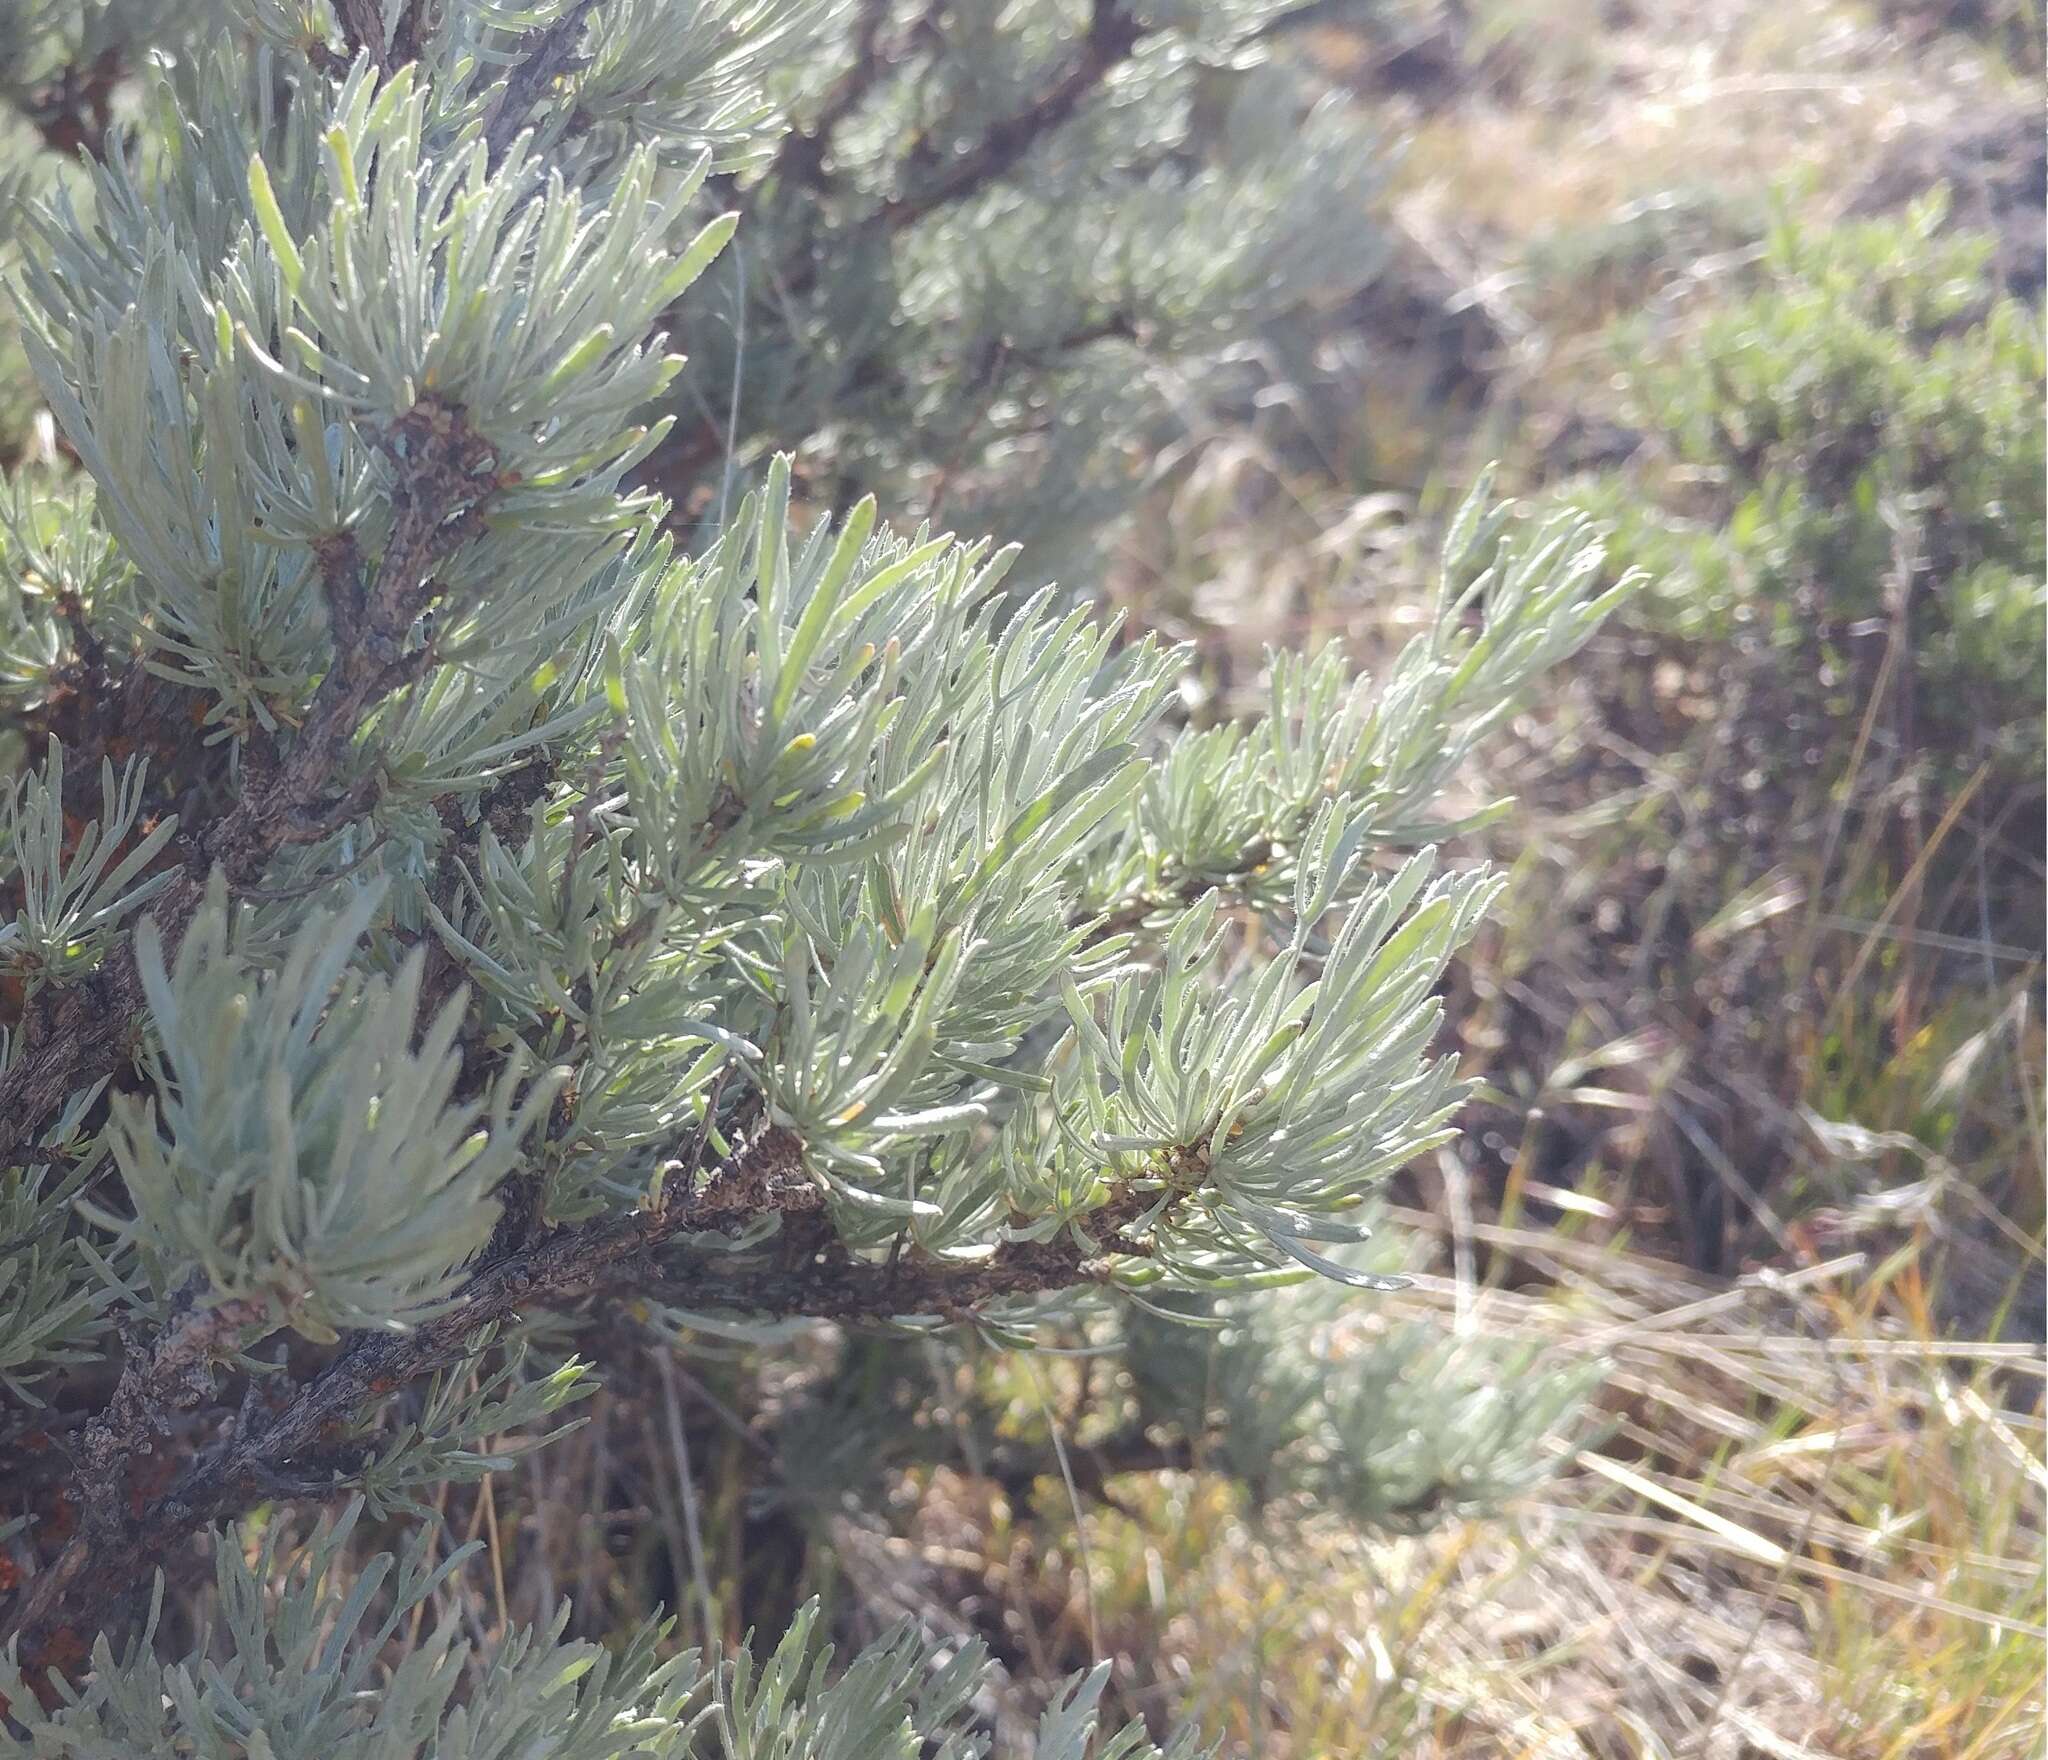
(1864, 415)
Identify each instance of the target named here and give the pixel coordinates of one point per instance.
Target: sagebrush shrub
(446, 908)
(1858, 438)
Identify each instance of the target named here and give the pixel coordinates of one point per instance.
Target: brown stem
(362, 27)
(806, 1272)
(448, 477)
(1111, 36)
(1176, 894)
(545, 56)
(801, 157)
(172, 1375)
(408, 37)
(74, 107)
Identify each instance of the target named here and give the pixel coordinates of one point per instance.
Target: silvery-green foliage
(1008, 345)
(887, 1705)
(298, 1150)
(1239, 799)
(50, 1301)
(1067, 1729)
(459, 1409)
(1263, 1108)
(1297, 1397)
(1421, 1427)
(502, 290)
(299, 1671)
(898, 1699)
(74, 896)
(235, 408)
(302, 1639)
(848, 859)
(850, 803)
(697, 72)
(765, 682)
(683, 77)
(53, 553)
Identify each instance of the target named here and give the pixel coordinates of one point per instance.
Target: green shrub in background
(1855, 440)
(451, 922)
(1836, 718)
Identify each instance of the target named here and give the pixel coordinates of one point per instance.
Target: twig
(291, 1452)
(174, 1374)
(73, 109)
(693, 1535)
(1111, 36)
(450, 475)
(545, 56)
(1087, 1557)
(801, 157)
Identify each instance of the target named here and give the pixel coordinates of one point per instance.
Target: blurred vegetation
(1856, 441)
